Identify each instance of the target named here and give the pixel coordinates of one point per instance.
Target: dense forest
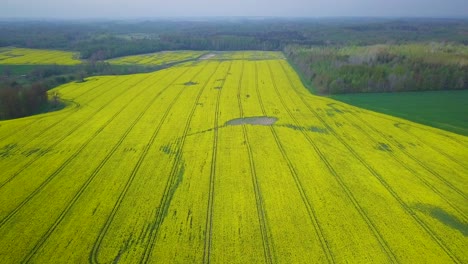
(333, 55)
(18, 101)
(382, 68)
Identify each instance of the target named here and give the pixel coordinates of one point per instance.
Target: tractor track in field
(93, 174)
(414, 172)
(66, 162)
(76, 108)
(92, 88)
(463, 143)
(433, 148)
(268, 250)
(209, 212)
(94, 254)
(418, 126)
(61, 139)
(382, 181)
(380, 238)
(166, 198)
(39, 118)
(310, 209)
(398, 125)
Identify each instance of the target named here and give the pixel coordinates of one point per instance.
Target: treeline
(109, 39)
(111, 46)
(17, 100)
(25, 93)
(382, 68)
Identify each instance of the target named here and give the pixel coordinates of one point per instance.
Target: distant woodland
(331, 55)
(382, 68)
(109, 39)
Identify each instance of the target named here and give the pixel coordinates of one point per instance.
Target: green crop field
(158, 58)
(22, 56)
(442, 109)
(227, 161)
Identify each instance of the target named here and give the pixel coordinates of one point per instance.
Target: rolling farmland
(22, 56)
(184, 165)
(158, 58)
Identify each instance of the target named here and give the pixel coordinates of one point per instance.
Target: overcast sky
(196, 8)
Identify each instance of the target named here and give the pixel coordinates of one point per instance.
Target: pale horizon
(123, 9)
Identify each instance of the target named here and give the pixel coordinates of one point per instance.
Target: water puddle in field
(444, 217)
(254, 120)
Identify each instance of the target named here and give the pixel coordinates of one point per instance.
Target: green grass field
(446, 110)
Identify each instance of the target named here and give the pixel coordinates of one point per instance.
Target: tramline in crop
(227, 159)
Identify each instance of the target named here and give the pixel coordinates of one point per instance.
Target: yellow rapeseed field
(23, 56)
(246, 55)
(227, 161)
(158, 58)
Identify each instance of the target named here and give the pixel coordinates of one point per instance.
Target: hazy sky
(195, 8)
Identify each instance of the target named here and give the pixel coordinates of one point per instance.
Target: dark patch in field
(294, 127)
(129, 150)
(123, 248)
(318, 130)
(174, 186)
(166, 149)
(444, 217)
(6, 150)
(330, 112)
(218, 87)
(334, 110)
(28, 153)
(402, 126)
(190, 83)
(255, 120)
(383, 147)
(311, 128)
